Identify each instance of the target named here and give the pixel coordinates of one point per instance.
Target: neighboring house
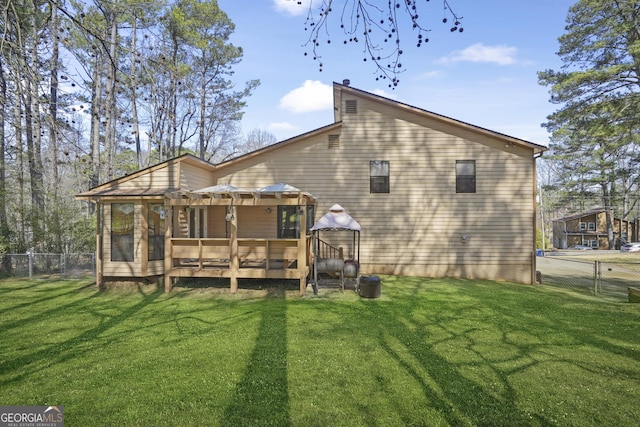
(590, 229)
(434, 197)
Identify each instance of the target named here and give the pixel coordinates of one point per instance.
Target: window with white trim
(379, 176)
(156, 228)
(122, 222)
(465, 176)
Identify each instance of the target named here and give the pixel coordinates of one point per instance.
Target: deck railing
(325, 250)
(202, 253)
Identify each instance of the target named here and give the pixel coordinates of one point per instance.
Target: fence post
(597, 276)
(30, 264)
(62, 265)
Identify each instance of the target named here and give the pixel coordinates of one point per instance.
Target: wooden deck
(250, 259)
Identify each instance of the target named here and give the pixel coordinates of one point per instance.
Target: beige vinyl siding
(155, 268)
(417, 227)
(160, 179)
(216, 224)
(256, 222)
(193, 177)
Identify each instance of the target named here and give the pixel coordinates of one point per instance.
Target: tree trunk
(203, 109)
(34, 141)
(173, 101)
(4, 223)
(53, 132)
(111, 116)
(606, 197)
(21, 216)
(96, 98)
(134, 100)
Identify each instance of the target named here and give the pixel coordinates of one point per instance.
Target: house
(434, 197)
(590, 229)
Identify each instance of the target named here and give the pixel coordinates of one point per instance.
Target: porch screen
(289, 221)
(155, 222)
(122, 232)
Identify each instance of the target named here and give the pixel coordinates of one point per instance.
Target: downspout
(534, 265)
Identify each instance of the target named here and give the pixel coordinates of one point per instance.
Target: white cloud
(430, 75)
(501, 55)
(291, 7)
(313, 95)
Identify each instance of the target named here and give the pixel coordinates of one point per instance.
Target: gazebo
(330, 259)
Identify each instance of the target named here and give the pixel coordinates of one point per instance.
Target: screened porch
(227, 232)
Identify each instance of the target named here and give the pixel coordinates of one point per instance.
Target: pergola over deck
(250, 247)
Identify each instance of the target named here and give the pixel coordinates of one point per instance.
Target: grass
(430, 352)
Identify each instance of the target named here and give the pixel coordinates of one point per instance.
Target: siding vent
(351, 106)
(334, 141)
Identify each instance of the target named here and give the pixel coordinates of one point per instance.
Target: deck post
(168, 230)
(99, 243)
(302, 245)
(233, 242)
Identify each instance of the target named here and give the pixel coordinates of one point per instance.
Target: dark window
(155, 222)
(122, 231)
(379, 176)
(289, 221)
(465, 176)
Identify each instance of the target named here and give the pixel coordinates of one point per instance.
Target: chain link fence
(70, 265)
(608, 278)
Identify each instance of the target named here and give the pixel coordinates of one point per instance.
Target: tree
(4, 223)
(137, 67)
(375, 25)
(594, 134)
(202, 59)
(256, 139)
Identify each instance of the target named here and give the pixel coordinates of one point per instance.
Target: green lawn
(430, 352)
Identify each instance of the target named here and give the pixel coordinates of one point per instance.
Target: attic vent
(351, 106)
(334, 141)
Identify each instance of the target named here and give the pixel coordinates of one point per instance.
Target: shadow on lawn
(52, 293)
(71, 348)
(262, 395)
(458, 398)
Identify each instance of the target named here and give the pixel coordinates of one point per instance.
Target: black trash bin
(370, 287)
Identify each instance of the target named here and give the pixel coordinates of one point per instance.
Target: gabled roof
(281, 187)
(336, 219)
(112, 188)
(280, 145)
(339, 90)
(231, 191)
(594, 211)
(220, 188)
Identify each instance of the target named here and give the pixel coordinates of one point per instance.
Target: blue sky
(486, 76)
